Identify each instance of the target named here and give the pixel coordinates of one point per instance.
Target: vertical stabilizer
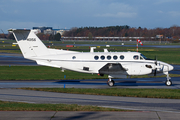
(29, 43)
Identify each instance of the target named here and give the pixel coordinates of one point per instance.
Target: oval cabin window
(96, 57)
(108, 57)
(122, 57)
(115, 57)
(102, 57)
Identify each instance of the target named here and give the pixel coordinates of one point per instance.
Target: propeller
(155, 71)
(156, 60)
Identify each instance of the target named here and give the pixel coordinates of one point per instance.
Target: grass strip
(48, 73)
(17, 106)
(42, 73)
(125, 92)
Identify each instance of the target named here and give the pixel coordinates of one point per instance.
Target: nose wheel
(110, 82)
(168, 83)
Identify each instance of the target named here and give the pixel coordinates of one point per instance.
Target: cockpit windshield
(144, 57)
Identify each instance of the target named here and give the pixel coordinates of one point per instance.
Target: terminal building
(50, 30)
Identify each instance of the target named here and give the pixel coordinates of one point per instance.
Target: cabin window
(102, 57)
(96, 57)
(108, 57)
(136, 57)
(122, 57)
(115, 57)
(74, 57)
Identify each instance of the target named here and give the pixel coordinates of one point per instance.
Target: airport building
(49, 30)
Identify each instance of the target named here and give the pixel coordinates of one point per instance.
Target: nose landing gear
(168, 81)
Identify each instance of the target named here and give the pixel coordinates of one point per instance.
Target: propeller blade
(156, 60)
(155, 71)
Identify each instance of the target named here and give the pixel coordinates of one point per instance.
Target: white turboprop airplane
(114, 64)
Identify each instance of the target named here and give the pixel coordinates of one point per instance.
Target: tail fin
(29, 43)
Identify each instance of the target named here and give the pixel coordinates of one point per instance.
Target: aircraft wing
(112, 68)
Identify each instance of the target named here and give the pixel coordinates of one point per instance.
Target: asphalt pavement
(127, 103)
(68, 115)
(144, 108)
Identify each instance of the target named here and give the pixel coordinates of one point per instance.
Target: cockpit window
(136, 57)
(144, 57)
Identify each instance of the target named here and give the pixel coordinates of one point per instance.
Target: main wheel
(168, 83)
(111, 83)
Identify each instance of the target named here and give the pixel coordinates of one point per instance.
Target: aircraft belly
(85, 67)
(48, 63)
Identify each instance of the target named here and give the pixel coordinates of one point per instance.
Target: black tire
(168, 83)
(111, 83)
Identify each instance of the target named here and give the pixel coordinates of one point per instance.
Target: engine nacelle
(139, 69)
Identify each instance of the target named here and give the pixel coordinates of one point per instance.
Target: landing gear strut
(168, 81)
(110, 82)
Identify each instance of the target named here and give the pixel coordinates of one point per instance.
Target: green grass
(17, 106)
(125, 92)
(48, 73)
(41, 73)
(168, 55)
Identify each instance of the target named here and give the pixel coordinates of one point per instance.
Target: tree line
(50, 37)
(172, 33)
(124, 31)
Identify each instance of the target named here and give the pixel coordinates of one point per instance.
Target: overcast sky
(84, 13)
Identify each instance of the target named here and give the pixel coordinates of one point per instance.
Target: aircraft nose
(170, 67)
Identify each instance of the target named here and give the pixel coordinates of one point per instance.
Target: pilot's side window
(102, 57)
(108, 57)
(136, 57)
(96, 57)
(122, 57)
(115, 57)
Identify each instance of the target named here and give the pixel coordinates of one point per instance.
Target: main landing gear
(110, 82)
